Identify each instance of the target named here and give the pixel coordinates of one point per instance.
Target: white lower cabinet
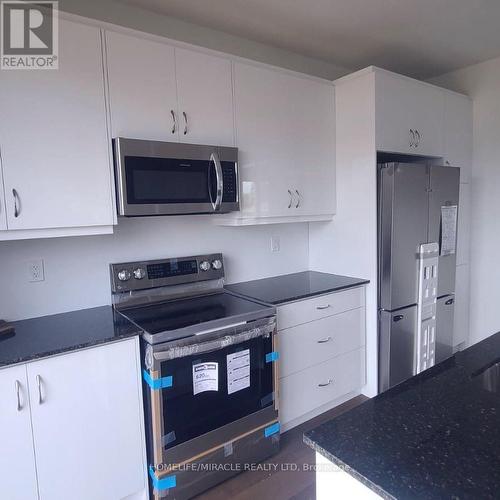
(17, 459)
(86, 430)
(462, 303)
(322, 354)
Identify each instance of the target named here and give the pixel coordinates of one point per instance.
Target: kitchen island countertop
(436, 435)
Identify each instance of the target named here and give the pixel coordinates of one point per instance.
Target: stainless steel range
(209, 369)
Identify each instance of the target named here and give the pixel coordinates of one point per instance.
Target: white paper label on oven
(238, 371)
(205, 377)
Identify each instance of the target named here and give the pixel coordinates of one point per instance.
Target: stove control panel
(141, 275)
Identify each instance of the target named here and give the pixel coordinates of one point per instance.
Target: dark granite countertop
(435, 436)
(296, 286)
(48, 335)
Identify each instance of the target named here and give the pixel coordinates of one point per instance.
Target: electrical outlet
(275, 244)
(36, 271)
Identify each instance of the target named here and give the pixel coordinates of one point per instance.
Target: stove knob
(205, 265)
(124, 275)
(139, 273)
(217, 264)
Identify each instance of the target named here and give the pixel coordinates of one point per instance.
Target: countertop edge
(59, 352)
(346, 468)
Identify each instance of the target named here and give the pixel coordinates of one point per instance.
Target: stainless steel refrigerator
(417, 205)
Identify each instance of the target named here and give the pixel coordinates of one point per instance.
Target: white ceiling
(421, 38)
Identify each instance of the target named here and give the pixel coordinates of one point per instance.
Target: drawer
(307, 345)
(307, 310)
(304, 391)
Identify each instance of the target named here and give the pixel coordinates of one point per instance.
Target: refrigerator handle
(399, 317)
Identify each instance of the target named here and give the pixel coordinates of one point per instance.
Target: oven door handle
(214, 157)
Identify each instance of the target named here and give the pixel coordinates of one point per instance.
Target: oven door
(216, 391)
(161, 178)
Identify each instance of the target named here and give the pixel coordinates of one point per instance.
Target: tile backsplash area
(76, 273)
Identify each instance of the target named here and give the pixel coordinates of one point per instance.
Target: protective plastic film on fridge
(417, 225)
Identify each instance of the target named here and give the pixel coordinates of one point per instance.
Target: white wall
(76, 269)
(157, 24)
(482, 83)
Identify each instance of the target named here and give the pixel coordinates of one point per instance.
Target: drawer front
(304, 391)
(307, 310)
(307, 345)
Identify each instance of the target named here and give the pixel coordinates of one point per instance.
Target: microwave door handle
(220, 182)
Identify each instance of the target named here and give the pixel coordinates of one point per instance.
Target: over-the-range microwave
(169, 178)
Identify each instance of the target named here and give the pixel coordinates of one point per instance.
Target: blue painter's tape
(272, 429)
(157, 383)
(272, 356)
(162, 484)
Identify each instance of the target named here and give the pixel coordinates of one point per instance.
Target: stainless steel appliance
(170, 178)
(417, 224)
(210, 377)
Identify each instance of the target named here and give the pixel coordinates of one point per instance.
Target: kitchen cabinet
(462, 305)
(205, 96)
(458, 133)
(322, 353)
(409, 115)
(169, 94)
(285, 133)
(82, 420)
(53, 139)
(17, 460)
(3, 216)
(142, 88)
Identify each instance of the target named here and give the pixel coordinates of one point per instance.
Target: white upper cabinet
(158, 92)
(285, 134)
(142, 88)
(87, 424)
(458, 133)
(53, 138)
(205, 97)
(17, 460)
(409, 115)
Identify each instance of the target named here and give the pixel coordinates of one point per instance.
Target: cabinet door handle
(39, 383)
(18, 395)
(17, 203)
(330, 381)
(185, 122)
(298, 199)
(291, 199)
(412, 138)
(325, 340)
(320, 308)
(417, 134)
(174, 121)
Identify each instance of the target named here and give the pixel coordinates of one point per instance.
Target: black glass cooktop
(198, 312)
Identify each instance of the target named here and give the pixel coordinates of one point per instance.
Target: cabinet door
(87, 427)
(315, 152)
(205, 98)
(462, 300)
(278, 121)
(17, 460)
(142, 88)
(458, 133)
(409, 116)
(54, 143)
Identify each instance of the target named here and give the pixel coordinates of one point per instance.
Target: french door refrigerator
(417, 225)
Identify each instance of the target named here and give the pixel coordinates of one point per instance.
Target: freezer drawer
(444, 327)
(397, 341)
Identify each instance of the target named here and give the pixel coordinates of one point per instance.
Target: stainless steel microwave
(170, 178)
